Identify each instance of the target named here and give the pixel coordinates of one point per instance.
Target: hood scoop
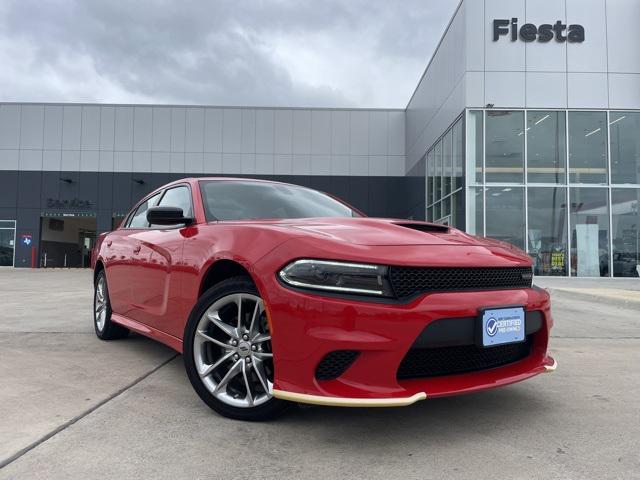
(425, 227)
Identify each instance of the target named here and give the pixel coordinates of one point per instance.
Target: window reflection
(587, 147)
(547, 230)
(625, 147)
(625, 204)
(505, 147)
(504, 217)
(589, 232)
(546, 147)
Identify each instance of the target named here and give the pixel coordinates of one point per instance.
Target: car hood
(377, 231)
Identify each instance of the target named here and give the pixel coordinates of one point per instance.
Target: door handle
(136, 249)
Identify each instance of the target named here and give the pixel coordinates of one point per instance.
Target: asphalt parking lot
(72, 406)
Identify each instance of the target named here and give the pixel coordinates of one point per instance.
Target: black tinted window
(229, 200)
(139, 217)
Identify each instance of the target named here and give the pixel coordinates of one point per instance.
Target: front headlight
(341, 277)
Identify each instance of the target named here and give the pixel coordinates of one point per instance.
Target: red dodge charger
(276, 293)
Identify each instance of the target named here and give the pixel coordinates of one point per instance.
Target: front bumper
(307, 326)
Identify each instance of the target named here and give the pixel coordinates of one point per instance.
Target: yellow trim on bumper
(551, 368)
(348, 402)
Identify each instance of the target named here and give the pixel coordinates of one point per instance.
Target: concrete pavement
(75, 407)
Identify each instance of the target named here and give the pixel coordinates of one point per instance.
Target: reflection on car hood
(377, 231)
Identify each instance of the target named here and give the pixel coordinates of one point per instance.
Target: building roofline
(230, 107)
(435, 51)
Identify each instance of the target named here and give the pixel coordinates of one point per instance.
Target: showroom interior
(531, 140)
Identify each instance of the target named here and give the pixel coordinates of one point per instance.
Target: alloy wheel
(101, 304)
(232, 351)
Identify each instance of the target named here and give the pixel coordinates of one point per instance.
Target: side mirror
(167, 216)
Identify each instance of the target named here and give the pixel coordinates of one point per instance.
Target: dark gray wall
(24, 196)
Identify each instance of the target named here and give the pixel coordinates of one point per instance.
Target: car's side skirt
(148, 331)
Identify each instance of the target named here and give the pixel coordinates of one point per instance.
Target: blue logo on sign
(492, 327)
(26, 239)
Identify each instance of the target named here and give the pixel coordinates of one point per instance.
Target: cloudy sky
(362, 53)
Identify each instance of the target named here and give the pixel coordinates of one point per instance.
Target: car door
(156, 296)
(122, 256)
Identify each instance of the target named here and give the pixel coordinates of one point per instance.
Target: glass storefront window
(505, 214)
(458, 156)
(7, 242)
(436, 211)
(505, 146)
(430, 173)
(546, 147)
(457, 210)
(445, 207)
(547, 230)
(437, 180)
(625, 203)
(625, 147)
(589, 232)
(447, 166)
(475, 204)
(587, 147)
(475, 150)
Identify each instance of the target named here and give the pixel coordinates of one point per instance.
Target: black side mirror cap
(167, 216)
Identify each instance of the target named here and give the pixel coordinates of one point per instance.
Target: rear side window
(178, 197)
(139, 217)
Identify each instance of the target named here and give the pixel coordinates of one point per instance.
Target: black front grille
(434, 362)
(335, 364)
(410, 281)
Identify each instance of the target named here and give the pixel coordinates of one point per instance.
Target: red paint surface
(156, 276)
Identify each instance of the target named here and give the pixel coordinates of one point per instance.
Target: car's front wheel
(227, 352)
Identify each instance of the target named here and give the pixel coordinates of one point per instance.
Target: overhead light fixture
(591, 133)
(542, 119)
(618, 119)
(508, 189)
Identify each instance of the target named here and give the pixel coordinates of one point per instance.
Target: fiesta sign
(543, 34)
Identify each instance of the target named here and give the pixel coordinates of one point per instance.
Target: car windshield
(238, 200)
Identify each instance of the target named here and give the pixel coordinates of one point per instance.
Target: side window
(139, 217)
(178, 197)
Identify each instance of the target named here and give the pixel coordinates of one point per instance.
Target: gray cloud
(363, 53)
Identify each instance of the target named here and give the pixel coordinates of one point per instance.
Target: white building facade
(526, 126)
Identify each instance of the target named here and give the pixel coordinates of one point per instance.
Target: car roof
(226, 179)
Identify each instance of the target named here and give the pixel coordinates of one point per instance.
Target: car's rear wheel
(104, 327)
(227, 352)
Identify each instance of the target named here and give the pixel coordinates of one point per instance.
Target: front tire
(104, 327)
(227, 352)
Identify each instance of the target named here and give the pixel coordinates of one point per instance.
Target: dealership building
(525, 127)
